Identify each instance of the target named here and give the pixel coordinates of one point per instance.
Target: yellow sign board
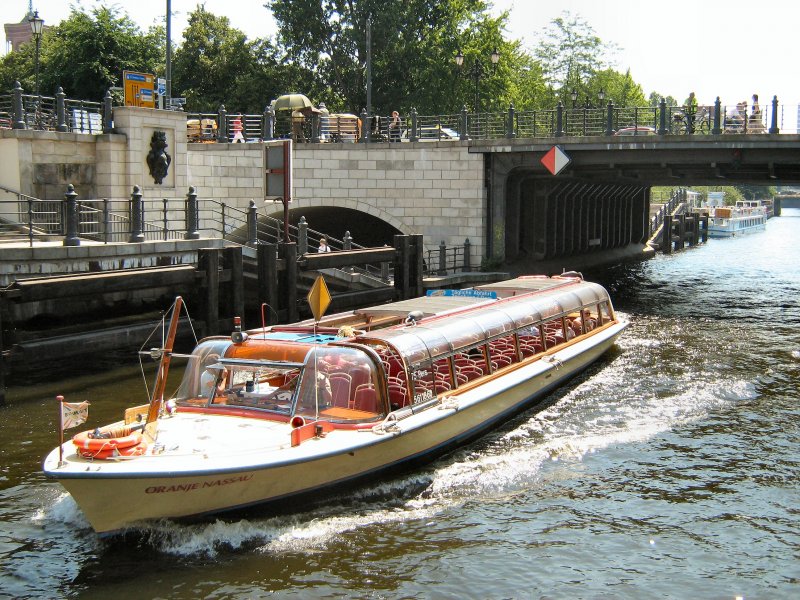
(319, 298)
(139, 89)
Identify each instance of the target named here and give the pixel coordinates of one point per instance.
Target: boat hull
(115, 495)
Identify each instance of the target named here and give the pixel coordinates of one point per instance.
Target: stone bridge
(495, 193)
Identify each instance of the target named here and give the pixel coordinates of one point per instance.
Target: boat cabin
(432, 346)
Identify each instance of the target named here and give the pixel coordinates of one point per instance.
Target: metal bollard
(136, 216)
(252, 224)
(61, 124)
(222, 125)
(560, 120)
(71, 216)
(510, 129)
(192, 216)
(302, 236)
(18, 122)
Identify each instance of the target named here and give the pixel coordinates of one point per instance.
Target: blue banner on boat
(466, 293)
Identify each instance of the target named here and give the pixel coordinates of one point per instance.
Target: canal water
(669, 470)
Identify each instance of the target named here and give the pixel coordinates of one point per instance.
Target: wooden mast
(151, 425)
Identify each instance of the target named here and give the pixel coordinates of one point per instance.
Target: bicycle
(682, 124)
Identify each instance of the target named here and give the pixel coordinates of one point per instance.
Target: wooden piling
(666, 235)
(268, 281)
(232, 261)
(208, 264)
(402, 282)
(289, 251)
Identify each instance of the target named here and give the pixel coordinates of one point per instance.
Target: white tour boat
(746, 216)
(274, 412)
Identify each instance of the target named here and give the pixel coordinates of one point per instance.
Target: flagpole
(60, 430)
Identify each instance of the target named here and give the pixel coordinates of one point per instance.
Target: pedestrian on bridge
(690, 109)
(323, 245)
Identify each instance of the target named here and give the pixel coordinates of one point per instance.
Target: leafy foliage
(414, 43)
(571, 55)
(86, 54)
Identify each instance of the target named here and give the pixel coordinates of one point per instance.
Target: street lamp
(477, 71)
(601, 95)
(574, 95)
(36, 23)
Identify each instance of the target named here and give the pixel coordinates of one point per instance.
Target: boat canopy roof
(445, 333)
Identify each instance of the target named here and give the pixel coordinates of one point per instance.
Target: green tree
(571, 54)
(619, 88)
(213, 64)
(85, 54)
(414, 43)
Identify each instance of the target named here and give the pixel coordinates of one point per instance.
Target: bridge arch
(368, 225)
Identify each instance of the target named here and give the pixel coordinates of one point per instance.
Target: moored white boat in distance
(274, 412)
(746, 216)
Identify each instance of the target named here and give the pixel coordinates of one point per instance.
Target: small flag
(73, 414)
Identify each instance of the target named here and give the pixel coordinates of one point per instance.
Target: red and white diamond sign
(555, 160)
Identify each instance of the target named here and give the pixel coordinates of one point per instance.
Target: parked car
(639, 130)
(432, 134)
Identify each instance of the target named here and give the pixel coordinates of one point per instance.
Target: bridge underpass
(548, 219)
(601, 201)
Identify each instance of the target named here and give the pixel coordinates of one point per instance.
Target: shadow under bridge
(334, 223)
(541, 218)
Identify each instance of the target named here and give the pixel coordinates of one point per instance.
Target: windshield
(340, 384)
(259, 384)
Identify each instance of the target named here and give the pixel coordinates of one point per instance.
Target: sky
(726, 48)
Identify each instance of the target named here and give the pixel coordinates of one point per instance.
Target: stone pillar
(414, 132)
(610, 118)
(442, 258)
(463, 134)
(108, 113)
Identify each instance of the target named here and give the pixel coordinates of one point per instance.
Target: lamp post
(601, 95)
(477, 71)
(36, 23)
(574, 95)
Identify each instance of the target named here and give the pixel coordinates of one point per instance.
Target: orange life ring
(132, 444)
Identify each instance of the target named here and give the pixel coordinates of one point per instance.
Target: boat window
(340, 384)
(257, 384)
(423, 382)
(531, 340)
(605, 313)
(503, 352)
(554, 332)
(198, 376)
(470, 364)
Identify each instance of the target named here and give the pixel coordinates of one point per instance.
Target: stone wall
(431, 188)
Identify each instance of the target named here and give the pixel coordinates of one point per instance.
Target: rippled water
(669, 470)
